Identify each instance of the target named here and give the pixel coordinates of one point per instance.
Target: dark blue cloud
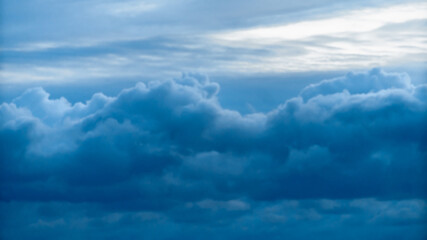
(234, 219)
(166, 154)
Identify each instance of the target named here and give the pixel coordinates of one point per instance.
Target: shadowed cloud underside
(346, 153)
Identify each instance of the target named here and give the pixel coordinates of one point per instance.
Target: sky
(192, 119)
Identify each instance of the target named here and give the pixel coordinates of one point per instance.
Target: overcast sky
(191, 119)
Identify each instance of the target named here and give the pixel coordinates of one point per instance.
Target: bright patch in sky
(355, 39)
(348, 22)
(130, 9)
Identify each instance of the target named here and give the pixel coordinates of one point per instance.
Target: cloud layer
(167, 152)
(159, 39)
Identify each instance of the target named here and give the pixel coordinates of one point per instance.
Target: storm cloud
(166, 153)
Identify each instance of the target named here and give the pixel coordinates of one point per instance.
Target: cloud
(129, 9)
(170, 150)
(356, 21)
(161, 39)
(297, 219)
(374, 81)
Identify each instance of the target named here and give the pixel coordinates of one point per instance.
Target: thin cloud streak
(358, 21)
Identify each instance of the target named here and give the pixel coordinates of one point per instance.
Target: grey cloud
(159, 146)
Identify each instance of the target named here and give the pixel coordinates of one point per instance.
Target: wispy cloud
(128, 8)
(342, 40)
(356, 21)
(355, 39)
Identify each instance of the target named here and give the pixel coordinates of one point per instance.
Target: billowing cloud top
(166, 153)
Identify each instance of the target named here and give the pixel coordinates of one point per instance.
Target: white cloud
(129, 9)
(352, 22)
(357, 39)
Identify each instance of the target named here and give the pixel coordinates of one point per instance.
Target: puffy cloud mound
(169, 151)
(374, 81)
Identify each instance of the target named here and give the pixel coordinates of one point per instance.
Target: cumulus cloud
(357, 83)
(170, 148)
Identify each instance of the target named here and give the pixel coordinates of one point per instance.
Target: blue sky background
(192, 119)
